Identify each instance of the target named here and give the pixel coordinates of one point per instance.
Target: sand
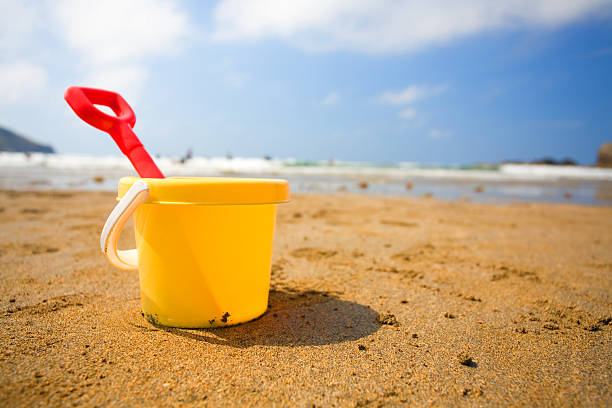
(374, 302)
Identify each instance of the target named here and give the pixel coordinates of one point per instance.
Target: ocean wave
(203, 166)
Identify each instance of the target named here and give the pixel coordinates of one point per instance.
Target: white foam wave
(201, 166)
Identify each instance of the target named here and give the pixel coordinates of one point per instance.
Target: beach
(375, 301)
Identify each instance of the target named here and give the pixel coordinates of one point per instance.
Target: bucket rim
(211, 190)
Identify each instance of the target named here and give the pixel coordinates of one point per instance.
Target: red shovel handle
(82, 101)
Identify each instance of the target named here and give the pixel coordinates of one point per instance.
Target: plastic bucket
(204, 246)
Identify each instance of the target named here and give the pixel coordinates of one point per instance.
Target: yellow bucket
(204, 246)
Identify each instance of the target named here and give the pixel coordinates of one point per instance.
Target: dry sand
(374, 302)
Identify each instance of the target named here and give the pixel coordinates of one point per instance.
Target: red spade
(82, 101)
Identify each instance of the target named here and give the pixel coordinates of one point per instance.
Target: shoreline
(502, 183)
(595, 193)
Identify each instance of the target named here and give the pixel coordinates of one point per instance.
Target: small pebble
(465, 359)
(388, 319)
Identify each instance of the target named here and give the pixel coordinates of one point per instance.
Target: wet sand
(374, 302)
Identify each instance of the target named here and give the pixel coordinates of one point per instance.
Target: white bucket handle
(126, 259)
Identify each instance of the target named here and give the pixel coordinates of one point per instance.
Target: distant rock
(604, 156)
(545, 160)
(552, 162)
(12, 142)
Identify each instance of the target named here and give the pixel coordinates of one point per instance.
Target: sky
(460, 81)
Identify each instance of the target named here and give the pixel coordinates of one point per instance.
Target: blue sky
(446, 82)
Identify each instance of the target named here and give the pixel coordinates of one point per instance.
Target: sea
(504, 183)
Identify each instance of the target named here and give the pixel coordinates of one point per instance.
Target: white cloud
(112, 31)
(385, 26)
(331, 99)
(18, 21)
(126, 79)
(20, 80)
(115, 38)
(112, 39)
(409, 95)
(439, 134)
(407, 113)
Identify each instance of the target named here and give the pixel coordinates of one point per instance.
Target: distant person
(188, 156)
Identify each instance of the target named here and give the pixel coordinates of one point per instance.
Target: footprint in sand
(36, 249)
(51, 305)
(399, 223)
(27, 249)
(506, 272)
(313, 254)
(402, 256)
(33, 211)
(85, 227)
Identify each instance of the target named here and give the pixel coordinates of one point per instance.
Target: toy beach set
(203, 244)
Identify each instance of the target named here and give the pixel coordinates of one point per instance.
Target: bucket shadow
(294, 318)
